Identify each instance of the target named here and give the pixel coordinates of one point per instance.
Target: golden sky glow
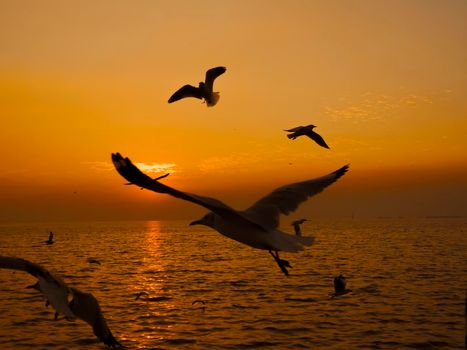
(384, 81)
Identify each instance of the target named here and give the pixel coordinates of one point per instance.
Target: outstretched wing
(35, 270)
(211, 75)
(318, 139)
(287, 198)
(53, 288)
(295, 129)
(133, 175)
(86, 307)
(186, 91)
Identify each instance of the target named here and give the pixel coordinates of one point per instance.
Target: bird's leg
(283, 264)
(56, 315)
(47, 303)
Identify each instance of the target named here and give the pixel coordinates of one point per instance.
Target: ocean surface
(408, 279)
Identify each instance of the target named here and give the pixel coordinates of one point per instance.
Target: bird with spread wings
(307, 131)
(257, 226)
(204, 89)
(56, 292)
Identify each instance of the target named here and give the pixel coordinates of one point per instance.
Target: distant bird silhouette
(307, 131)
(199, 301)
(83, 305)
(340, 286)
(257, 226)
(145, 296)
(51, 239)
(203, 91)
(296, 225)
(93, 261)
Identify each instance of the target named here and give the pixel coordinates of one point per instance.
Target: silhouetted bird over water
(56, 292)
(93, 261)
(145, 296)
(296, 225)
(307, 131)
(203, 91)
(51, 239)
(339, 284)
(257, 226)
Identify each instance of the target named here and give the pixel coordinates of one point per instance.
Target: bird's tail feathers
(288, 243)
(212, 102)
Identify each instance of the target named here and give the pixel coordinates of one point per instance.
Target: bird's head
(311, 126)
(207, 220)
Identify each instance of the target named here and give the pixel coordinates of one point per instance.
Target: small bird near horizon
(340, 284)
(51, 239)
(257, 226)
(307, 131)
(145, 296)
(82, 305)
(93, 261)
(296, 225)
(199, 301)
(203, 91)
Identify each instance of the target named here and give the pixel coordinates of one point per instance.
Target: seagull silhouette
(83, 305)
(339, 284)
(51, 239)
(257, 226)
(145, 296)
(307, 131)
(203, 91)
(296, 225)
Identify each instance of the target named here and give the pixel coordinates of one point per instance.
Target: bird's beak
(196, 222)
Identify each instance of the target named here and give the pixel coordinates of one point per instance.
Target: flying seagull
(93, 261)
(307, 131)
(86, 307)
(145, 296)
(51, 239)
(296, 225)
(82, 305)
(203, 91)
(257, 226)
(51, 287)
(340, 286)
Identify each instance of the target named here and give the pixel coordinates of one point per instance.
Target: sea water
(408, 280)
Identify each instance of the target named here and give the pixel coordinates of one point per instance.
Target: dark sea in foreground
(408, 279)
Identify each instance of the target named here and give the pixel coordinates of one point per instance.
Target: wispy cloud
(151, 168)
(99, 166)
(374, 106)
(233, 162)
(156, 168)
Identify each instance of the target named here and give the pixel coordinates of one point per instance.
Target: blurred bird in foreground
(307, 131)
(257, 226)
(82, 305)
(203, 91)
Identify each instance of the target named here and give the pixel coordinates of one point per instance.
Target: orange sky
(384, 81)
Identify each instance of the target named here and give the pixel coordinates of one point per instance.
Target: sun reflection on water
(151, 274)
